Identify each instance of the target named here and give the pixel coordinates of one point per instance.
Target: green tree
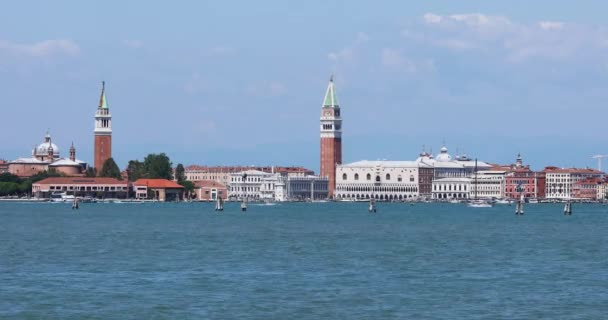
(135, 170)
(110, 170)
(188, 186)
(91, 172)
(8, 177)
(9, 188)
(180, 173)
(158, 166)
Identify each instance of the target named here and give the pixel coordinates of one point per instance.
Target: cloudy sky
(241, 82)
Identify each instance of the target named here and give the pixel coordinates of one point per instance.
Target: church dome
(42, 150)
(444, 156)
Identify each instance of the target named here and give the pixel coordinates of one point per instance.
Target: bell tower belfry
(331, 136)
(103, 131)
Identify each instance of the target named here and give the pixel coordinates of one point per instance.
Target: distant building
(331, 136)
(560, 181)
(586, 189)
(3, 166)
(103, 131)
(382, 180)
(453, 177)
(451, 188)
(248, 184)
(306, 188)
(222, 174)
(488, 184)
(46, 156)
(207, 190)
(602, 190)
(81, 186)
(444, 166)
(521, 179)
(158, 189)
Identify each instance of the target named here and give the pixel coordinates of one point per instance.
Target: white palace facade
(382, 180)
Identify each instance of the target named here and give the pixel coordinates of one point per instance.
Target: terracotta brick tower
(103, 131)
(331, 136)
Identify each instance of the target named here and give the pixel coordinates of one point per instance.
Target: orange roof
(158, 183)
(230, 169)
(209, 184)
(81, 180)
(572, 170)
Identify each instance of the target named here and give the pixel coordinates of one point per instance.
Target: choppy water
(302, 261)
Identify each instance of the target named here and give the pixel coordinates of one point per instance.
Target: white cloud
(550, 25)
(394, 59)
(41, 49)
(432, 18)
(348, 54)
(513, 41)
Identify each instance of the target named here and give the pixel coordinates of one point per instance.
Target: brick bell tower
(331, 136)
(103, 131)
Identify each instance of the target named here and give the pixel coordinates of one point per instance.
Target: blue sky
(241, 82)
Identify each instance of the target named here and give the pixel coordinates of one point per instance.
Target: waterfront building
(3, 166)
(560, 181)
(520, 179)
(309, 187)
(222, 174)
(158, 189)
(272, 188)
(488, 184)
(586, 189)
(44, 157)
(382, 180)
(451, 176)
(248, 184)
(331, 136)
(452, 188)
(444, 166)
(602, 189)
(208, 190)
(81, 187)
(102, 132)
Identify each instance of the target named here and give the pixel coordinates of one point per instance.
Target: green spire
(103, 104)
(330, 100)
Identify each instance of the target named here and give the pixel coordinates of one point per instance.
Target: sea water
(302, 261)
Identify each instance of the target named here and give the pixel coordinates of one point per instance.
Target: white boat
(532, 200)
(503, 201)
(454, 201)
(61, 197)
(479, 204)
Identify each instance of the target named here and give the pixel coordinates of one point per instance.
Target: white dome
(43, 149)
(444, 156)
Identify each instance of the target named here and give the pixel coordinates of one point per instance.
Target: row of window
(376, 189)
(368, 177)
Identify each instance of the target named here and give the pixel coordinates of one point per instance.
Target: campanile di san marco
(331, 136)
(103, 131)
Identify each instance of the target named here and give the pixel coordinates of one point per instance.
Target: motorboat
(479, 204)
(61, 197)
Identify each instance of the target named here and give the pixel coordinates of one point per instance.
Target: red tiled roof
(209, 184)
(571, 170)
(230, 169)
(80, 180)
(158, 183)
